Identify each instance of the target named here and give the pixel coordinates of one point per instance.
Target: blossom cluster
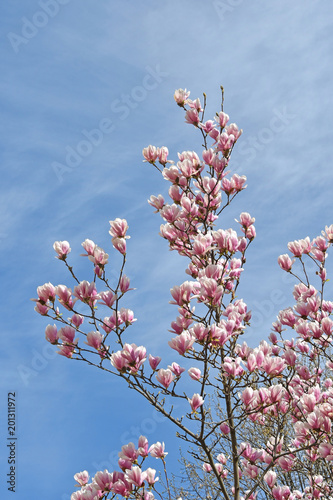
(274, 402)
(132, 481)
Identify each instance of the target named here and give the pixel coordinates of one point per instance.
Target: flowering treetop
(258, 424)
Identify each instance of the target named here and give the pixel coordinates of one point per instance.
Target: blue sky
(71, 67)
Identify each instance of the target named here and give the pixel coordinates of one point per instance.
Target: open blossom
(135, 356)
(181, 96)
(129, 452)
(165, 377)
(103, 480)
(246, 220)
(192, 117)
(118, 228)
(157, 450)
(196, 401)
(285, 262)
(127, 316)
(65, 296)
(222, 119)
(94, 339)
(194, 373)
(150, 154)
(156, 202)
(182, 343)
(108, 298)
(89, 247)
(151, 479)
(143, 446)
(86, 292)
(62, 248)
(82, 478)
(300, 247)
(176, 369)
(131, 356)
(135, 476)
(120, 245)
(46, 292)
(99, 257)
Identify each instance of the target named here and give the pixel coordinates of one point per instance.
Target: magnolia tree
(257, 421)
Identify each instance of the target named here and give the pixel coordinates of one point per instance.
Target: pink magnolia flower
(225, 429)
(182, 294)
(67, 334)
(122, 487)
(118, 228)
(150, 154)
(192, 117)
(94, 339)
(285, 262)
(81, 478)
(325, 450)
(181, 96)
(248, 396)
(135, 476)
(157, 202)
(135, 356)
(299, 247)
(199, 331)
(41, 308)
(124, 284)
(232, 367)
(176, 369)
(103, 480)
(99, 257)
(163, 155)
(182, 343)
(328, 233)
(233, 129)
(245, 220)
(194, 373)
(89, 247)
(51, 334)
(222, 119)
(154, 361)
(210, 291)
(281, 492)
(157, 450)
(86, 292)
(206, 467)
(76, 320)
(119, 244)
(65, 296)
(196, 401)
(150, 476)
(270, 478)
(66, 350)
(62, 248)
(165, 377)
(170, 213)
(129, 452)
(127, 316)
(108, 298)
(196, 104)
(118, 361)
(273, 366)
(46, 292)
(143, 446)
